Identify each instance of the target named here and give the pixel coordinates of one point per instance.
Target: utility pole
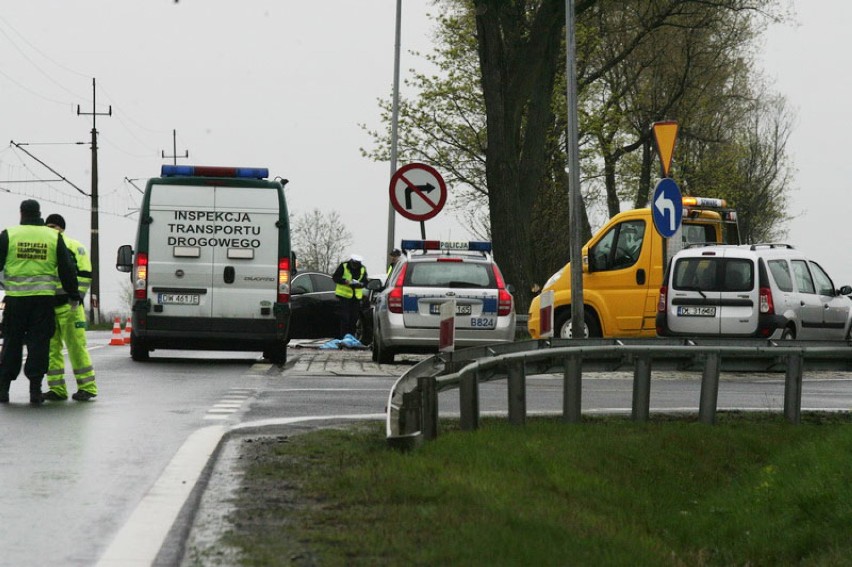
(94, 249)
(174, 149)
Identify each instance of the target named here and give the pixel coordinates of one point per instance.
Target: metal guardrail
(412, 409)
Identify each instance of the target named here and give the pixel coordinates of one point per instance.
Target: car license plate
(696, 311)
(435, 309)
(482, 322)
(179, 299)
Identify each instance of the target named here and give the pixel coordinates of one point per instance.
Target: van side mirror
(124, 259)
(845, 290)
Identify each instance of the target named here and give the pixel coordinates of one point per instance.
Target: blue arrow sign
(667, 207)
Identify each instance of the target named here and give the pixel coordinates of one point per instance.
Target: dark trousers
(26, 321)
(348, 309)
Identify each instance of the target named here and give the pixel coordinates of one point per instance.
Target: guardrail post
(793, 389)
(641, 388)
(428, 407)
(517, 378)
(410, 413)
(709, 390)
(469, 401)
(572, 389)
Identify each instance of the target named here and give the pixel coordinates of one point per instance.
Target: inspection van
(623, 265)
(211, 265)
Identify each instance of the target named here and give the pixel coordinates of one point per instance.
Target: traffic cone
(127, 329)
(117, 339)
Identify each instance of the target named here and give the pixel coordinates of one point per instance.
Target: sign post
(418, 192)
(447, 330)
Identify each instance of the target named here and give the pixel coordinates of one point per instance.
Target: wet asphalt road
(75, 474)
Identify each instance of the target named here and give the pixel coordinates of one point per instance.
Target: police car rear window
(450, 274)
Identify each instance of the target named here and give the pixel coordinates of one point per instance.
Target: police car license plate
(179, 299)
(696, 311)
(435, 309)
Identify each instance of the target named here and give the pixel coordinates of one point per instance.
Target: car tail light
(140, 286)
(284, 280)
(395, 295)
(661, 304)
(504, 298)
(766, 305)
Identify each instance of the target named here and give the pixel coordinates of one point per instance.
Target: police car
(406, 315)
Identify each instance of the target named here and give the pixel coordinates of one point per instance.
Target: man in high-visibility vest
(393, 258)
(35, 260)
(350, 277)
(71, 328)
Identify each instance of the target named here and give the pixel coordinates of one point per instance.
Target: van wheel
(276, 354)
(138, 350)
(788, 334)
(563, 324)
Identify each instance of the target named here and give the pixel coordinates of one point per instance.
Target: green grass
(750, 490)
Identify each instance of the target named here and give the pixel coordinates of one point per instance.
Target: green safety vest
(84, 266)
(343, 290)
(31, 267)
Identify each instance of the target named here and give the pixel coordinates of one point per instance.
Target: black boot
(36, 398)
(4, 391)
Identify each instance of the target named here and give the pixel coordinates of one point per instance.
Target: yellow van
(623, 265)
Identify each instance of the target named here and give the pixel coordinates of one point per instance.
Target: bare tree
(319, 240)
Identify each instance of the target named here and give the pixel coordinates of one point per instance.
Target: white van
(211, 268)
(757, 290)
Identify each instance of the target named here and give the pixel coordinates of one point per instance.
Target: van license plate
(179, 299)
(696, 311)
(435, 309)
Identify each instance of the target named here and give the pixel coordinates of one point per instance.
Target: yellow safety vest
(343, 290)
(31, 267)
(84, 266)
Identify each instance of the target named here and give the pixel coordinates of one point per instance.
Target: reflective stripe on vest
(31, 267)
(343, 290)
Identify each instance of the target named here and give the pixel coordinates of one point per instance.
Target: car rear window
(450, 274)
(713, 274)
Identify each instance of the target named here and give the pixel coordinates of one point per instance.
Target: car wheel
(788, 334)
(363, 330)
(563, 324)
(138, 349)
(381, 353)
(277, 353)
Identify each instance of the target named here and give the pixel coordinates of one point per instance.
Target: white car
(757, 290)
(406, 311)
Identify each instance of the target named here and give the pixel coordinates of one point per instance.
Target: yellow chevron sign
(665, 135)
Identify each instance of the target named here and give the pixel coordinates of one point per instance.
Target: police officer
(71, 328)
(35, 260)
(350, 277)
(393, 258)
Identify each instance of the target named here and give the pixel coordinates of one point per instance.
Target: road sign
(667, 207)
(665, 134)
(417, 191)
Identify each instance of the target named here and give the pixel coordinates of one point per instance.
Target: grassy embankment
(751, 490)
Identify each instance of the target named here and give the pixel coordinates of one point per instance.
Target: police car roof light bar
(472, 245)
(214, 171)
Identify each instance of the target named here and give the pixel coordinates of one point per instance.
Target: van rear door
(694, 294)
(740, 301)
(179, 269)
(245, 252)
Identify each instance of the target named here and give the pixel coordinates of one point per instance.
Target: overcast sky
(285, 85)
